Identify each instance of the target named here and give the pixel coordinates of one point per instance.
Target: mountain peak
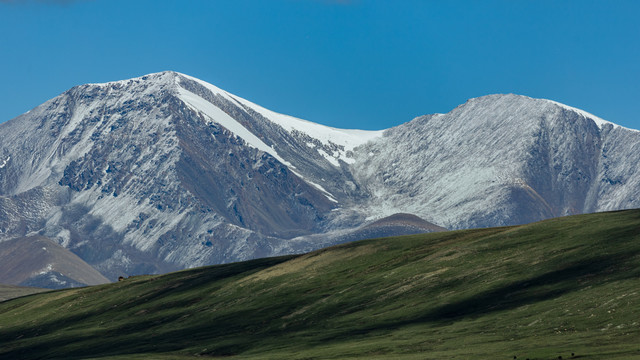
(514, 101)
(158, 77)
(163, 79)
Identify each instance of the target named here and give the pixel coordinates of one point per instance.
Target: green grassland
(537, 291)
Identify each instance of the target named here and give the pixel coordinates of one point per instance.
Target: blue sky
(352, 64)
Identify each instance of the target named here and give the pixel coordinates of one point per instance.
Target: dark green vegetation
(536, 291)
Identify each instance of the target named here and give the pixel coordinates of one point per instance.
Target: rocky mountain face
(501, 160)
(165, 171)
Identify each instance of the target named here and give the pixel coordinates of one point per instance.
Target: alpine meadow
(540, 291)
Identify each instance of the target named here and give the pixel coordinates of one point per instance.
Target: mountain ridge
(165, 171)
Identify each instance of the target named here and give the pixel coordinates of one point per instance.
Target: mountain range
(165, 171)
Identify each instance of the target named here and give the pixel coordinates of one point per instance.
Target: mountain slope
(11, 291)
(538, 291)
(165, 171)
(132, 164)
(55, 267)
(502, 160)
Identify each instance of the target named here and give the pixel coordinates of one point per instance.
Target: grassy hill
(538, 291)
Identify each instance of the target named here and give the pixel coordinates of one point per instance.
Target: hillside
(538, 291)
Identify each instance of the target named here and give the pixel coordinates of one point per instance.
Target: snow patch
(5, 162)
(214, 89)
(334, 161)
(214, 113)
(64, 237)
(599, 121)
(327, 194)
(348, 139)
(46, 269)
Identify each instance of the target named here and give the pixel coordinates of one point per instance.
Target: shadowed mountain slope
(538, 291)
(11, 291)
(56, 267)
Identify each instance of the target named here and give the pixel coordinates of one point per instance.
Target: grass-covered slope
(536, 291)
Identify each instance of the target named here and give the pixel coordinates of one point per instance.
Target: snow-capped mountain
(166, 171)
(501, 160)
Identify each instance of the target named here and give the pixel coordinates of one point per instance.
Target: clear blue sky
(356, 64)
